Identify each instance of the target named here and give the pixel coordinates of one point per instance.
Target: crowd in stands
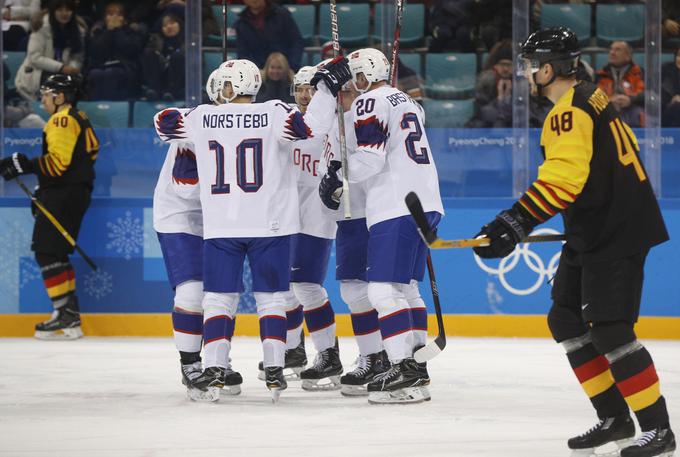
(135, 50)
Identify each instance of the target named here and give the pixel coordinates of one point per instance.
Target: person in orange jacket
(624, 83)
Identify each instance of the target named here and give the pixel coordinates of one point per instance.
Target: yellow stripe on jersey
(61, 133)
(567, 139)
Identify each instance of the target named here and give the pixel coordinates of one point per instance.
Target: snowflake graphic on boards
(126, 235)
(98, 284)
(29, 271)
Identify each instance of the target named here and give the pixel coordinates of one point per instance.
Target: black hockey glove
(335, 74)
(15, 165)
(504, 232)
(330, 188)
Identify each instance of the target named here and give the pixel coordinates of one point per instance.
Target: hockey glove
(16, 165)
(504, 232)
(330, 188)
(335, 74)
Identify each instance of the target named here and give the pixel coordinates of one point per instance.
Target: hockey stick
(335, 37)
(224, 30)
(434, 242)
(395, 43)
(56, 224)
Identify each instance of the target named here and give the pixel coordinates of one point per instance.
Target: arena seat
(13, 61)
(303, 15)
(412, 27)
(411, 60)
(620, 23)
(576, 17)
(352, 23)
(233, 12)
(448, 113)
(106, 114)
(450, 75)
(143, 112)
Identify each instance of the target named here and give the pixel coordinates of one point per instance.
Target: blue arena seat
(13, 61)
(620, 23)
(411, 60)
(412, 25)
(576, 17)
(448, 113)
(303, 15)
(450, 75)
(352, 23)
(106, 114)
(233, 12)
(143, 112)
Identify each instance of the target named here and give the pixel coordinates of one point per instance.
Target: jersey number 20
(251, 144)
(418, 155)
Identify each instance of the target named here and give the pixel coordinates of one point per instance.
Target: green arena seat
(450, 75)
(448, 113)
(412, 25)
(303, 15)
(13, 61)
(143, 112)
(106, 114)
(576, 17)
(411, 60)
(352, 23)
(620, 23)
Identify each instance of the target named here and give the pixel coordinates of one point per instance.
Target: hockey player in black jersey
(593, 176)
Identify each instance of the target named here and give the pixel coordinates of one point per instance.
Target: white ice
(122, 397)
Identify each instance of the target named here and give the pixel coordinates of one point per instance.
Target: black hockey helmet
(556, 45)
(68, 85)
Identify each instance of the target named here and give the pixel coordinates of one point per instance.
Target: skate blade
(276, 393)
(315, 385)
(353, 391)
(611, 449)
(290, 374)
(63, 334)
(210, 395)
(401, 396)
(230, 391)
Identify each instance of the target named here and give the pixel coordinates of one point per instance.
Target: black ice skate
(275, 381)
(657, 442)
(326, 371)
(618, 429)
(295, 362)
(366, 368)
(190, 371)
(63, 325)
(232, 382)
(423, 369)
(207, 386)
(402, 383)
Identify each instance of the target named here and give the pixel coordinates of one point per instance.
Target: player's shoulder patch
(170, 124)
(589, 98)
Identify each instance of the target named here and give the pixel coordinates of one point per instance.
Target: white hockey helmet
(372, 63)
(243, 75)
(302, 77)
(211, 86)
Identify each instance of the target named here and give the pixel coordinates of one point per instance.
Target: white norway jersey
(176, 198)
(357, 193)
(247, 190)
(393, 156)
(307, 157)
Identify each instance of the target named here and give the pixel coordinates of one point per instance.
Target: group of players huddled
(263, 181)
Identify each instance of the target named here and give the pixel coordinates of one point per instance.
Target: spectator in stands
(163, 61)
(670, 92)
(670, 12)
(277, 78)
(265, 27)
(451, 25)
(17, 112)
(493, 92)
(623, 81)
(16, 23)
(58, 47)
(114, 54)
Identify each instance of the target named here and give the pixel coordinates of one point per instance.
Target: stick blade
(430, 351)
(416, 209)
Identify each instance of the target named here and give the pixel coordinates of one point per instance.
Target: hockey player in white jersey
(351, 246)
(250, 207)
(178, 223)
(393, 158)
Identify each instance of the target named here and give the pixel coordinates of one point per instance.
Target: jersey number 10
(250, 144)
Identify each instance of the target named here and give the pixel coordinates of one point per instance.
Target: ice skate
(295, 362)
(63, 325)
(325, 373)
(617, 430)
(366, 369)
(659, 442)
(275, 381)
(232, 382)
(191, 371)
(402, 383)
(207, 386)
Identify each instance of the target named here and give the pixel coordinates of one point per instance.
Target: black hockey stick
(56, 224)
(433, 349)
(395, 43)
(434, 242)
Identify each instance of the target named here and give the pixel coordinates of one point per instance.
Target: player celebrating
(393, 158)
(65, 175)
(249, 209)
(593, 176)
(178, 222)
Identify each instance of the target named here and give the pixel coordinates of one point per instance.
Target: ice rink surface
(122, 397)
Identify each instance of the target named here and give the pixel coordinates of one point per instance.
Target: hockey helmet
(302, 77)
(372, 63)
(243, 75)
(68, 85)
(556, 45)
(211, 86)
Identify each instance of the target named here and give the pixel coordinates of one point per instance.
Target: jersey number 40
(252, 145)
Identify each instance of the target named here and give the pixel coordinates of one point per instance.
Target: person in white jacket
(16, 22)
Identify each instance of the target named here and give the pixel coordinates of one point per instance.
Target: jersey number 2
(251, 144)
(418, 155)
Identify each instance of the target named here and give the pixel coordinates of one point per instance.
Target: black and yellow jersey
(593, 175)
(70, 149)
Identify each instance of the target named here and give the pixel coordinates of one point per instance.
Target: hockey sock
(187, 317)
(58, 277)
(592, 371)
(364, 318)
(394, 317)
(187, 358)
(319, 314)
(418, 312)
(218, 327)
(294, 320)
(273, 327)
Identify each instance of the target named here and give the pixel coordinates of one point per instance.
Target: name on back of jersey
(235, 120)
(305, 163)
